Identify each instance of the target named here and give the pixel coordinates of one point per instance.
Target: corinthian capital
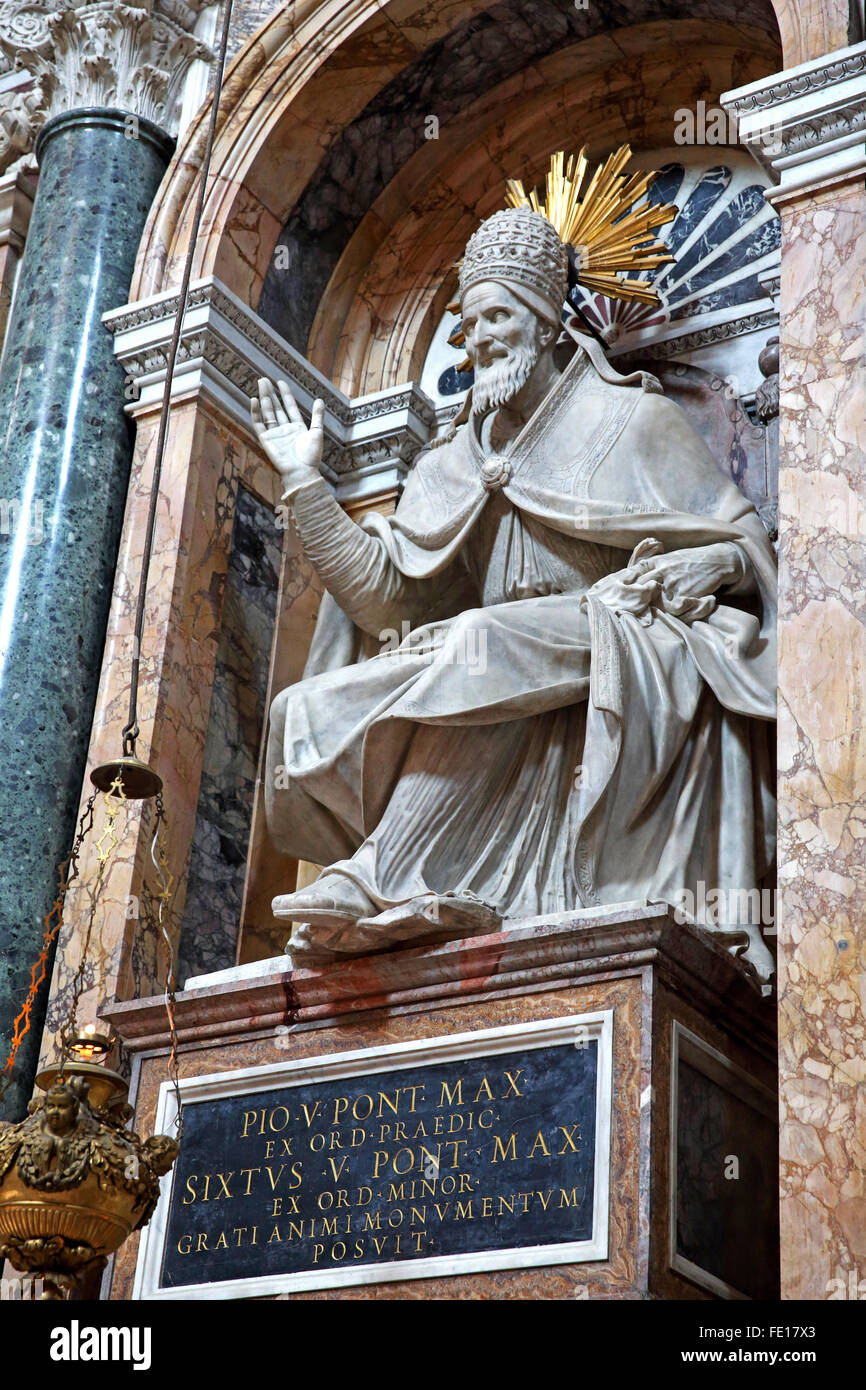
(127, 56)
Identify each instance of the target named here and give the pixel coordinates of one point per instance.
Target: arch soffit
(389, 289)
(300, 79)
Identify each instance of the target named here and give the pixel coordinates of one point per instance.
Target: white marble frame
(717, 1067)
(393, 1057)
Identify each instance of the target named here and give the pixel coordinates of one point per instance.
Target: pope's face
(503, 341)
(496, 325)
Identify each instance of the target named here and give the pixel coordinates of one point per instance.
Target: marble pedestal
(690, 1189)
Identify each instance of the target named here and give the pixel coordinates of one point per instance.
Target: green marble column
(65, 451)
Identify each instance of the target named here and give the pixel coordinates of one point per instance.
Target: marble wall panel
(822, 741)
(218, 856)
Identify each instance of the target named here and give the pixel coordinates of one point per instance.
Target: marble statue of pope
(544, 683)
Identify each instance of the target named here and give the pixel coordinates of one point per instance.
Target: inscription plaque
(485, 1150)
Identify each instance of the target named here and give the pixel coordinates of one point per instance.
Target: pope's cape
(606, 460)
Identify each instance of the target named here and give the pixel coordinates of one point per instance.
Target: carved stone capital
(122, 56)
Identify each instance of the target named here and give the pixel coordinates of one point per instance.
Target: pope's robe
(478, 717)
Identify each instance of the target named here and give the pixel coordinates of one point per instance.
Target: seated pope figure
(544, 683)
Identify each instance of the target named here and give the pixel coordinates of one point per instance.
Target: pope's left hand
(686, 576)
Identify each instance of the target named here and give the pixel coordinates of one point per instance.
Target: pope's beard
(500, 382)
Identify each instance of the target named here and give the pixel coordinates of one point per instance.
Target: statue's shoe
(424, 920)
(430, 918)
(332, 901)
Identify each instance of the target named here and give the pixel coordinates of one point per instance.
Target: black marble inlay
(472, 1154)
(727, 1186)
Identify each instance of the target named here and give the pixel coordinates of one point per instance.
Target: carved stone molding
(225, 348)
(700, 338)
(807, 125)
(128, 57)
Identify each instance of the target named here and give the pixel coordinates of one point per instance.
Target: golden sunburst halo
(607, 226)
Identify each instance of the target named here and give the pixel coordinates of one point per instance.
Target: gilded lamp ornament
(74, 1182)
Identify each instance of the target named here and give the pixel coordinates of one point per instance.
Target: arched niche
(310, 72)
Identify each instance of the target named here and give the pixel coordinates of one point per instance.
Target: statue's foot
(332, 901)
(424, 920)
(432, 917)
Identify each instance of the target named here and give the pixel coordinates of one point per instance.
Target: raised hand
(294, 450)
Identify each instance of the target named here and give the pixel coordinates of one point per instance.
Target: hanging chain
(104, 847)
(67, 872)
(130, 730)
(159, 858)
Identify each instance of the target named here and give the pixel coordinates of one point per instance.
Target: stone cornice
(523, 958)
(128, 57)
(225, 348)
(807, 125)
(698, 338)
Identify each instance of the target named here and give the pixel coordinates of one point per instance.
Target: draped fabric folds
(507, 731)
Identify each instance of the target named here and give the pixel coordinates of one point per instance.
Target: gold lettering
(565, 1200)
(413, 1089)
(484, 1090)
(455, 1145)
(222, 1243)
(274, 1236)
(307, 1115)
(224, 1184)
(180, 1245)
(539, 1143)
(249, 1119)
(391, 1104)
(512, 1084)
(451, 1093)
(464, 1211)
(540, 1196)
(335, 1170)
(187, 1202)
(250, 1171)
(569, 1142)
(500, 1150)
(201, 1242)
